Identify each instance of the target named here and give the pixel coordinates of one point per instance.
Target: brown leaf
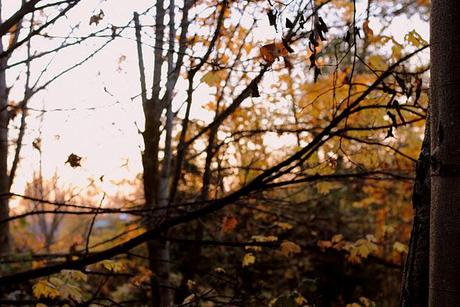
(96, 18)
(74, 160)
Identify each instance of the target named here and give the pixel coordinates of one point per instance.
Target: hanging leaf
(302, 22)
(312, 60)
(323, 26)
(390, 133)
(312, 40)
(254, 90)
(96, 18)
(367, 30)
(418, 90)
(271, 17)
(114, 31)
(393, 118)
(396, 105)
(37, 144)
(347, 37)
(317, 73)
(273, 51)
(213, 77)
(321, 36)
(73, 160)
(401, 83)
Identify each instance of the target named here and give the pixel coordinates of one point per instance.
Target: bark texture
(444, 280)
(4, 178)
(414, 292)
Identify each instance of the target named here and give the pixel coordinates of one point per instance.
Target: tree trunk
(444, 280)
(414, 290)
(154, 181)
(4, 178)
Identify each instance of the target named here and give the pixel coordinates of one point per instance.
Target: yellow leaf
(337, 238)
(213, 77)
(325, 187)
(74, 275)
(415, 39)
(248, 259)
(396, 51)
(264, 238)
(247, 47)
(70, 291)
(253, 248)
(284, 226)
(400, 247)
(377, 62)
(300, 300)
(288, 248)
(112, 265)
(46, 289)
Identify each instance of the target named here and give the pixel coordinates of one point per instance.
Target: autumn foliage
(274, 165)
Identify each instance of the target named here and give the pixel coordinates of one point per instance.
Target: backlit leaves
(214, 77)
(64, 285)
(400, 247)
(248, 260)
(113, 266)
(415, 39)
(283, 226)
(273, 51)
(44, 288)
(289, 248)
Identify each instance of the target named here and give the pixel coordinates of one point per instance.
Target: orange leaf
(229, 223)
(273, 51)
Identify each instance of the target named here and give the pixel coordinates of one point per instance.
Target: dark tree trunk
(4, 178)
(414, 290)
(445, 149)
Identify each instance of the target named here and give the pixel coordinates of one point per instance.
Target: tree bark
(4, 178)
(414, 290)
(155, 181)
(444, 280)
